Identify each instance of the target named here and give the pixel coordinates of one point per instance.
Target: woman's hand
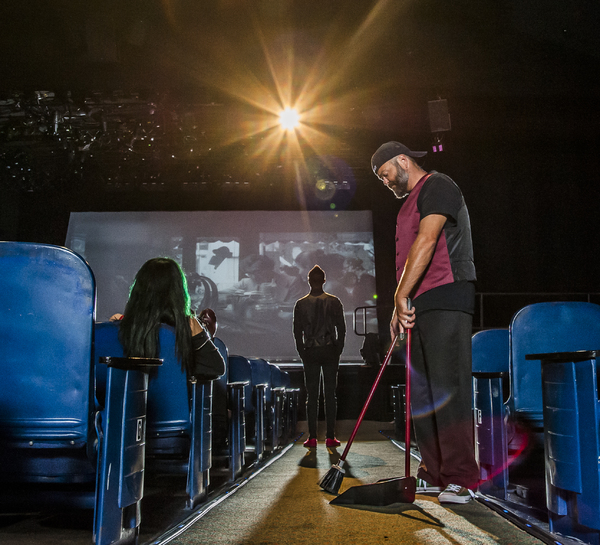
(116, 317)
(195, 326)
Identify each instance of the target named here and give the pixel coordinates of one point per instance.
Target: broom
(332, 480)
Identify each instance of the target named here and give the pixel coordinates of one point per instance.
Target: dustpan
(384, 492)
(387, 491)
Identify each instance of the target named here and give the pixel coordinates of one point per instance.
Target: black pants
(441, 398)
(321, 360)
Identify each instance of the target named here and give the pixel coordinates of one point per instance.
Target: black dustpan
(387, 491)
(384, 492)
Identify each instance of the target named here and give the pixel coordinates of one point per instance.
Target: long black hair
(159, 295)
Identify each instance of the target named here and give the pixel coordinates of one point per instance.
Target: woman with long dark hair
(158, 296)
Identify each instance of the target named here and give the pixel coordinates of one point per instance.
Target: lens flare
(290, 90)
(289, 119)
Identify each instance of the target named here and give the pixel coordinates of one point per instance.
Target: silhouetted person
(319, 332)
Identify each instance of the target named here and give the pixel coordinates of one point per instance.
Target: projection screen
(248, 266)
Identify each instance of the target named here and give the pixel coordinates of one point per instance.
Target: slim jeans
(441, 397)
(319, 361)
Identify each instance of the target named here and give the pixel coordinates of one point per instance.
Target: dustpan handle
(407, 403)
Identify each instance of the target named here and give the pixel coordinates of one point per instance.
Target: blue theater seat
(278, 402)
(122, 442)
(255, 392)
(490, 350)
(50, 428)
(292, 395)
(261, 374)
(543, 328)
(220, 417)
(179, 414)
(571, 399)
(234, 393)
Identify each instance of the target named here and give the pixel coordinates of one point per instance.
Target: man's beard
(400, 185)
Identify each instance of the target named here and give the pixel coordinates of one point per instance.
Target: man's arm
(419, 257)
(340, 326)
(297, 329)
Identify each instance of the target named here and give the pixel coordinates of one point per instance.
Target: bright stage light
(289, 119)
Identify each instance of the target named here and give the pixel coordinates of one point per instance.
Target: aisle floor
(284, 504)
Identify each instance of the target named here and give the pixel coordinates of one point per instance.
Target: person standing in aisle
(319, 332)
(435, 269)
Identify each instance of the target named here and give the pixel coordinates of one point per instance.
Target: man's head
(316, 277)
(393, 163)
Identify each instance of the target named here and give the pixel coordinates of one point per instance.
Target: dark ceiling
(485, 46)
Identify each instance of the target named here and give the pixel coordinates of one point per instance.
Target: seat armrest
(579, 355)
(131, 364)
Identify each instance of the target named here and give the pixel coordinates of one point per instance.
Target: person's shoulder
(439, 188)
(303, 299)
(437, 180)
(331, 296)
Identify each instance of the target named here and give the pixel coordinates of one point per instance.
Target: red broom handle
(388, 356)
(407, 402)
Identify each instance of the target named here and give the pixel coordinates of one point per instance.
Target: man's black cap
(388, 151)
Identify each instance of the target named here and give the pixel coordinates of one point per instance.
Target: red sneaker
(332, 443)
(311, 443)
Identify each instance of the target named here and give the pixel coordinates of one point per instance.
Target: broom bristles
(332, 480)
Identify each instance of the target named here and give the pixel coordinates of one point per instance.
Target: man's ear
(404, 161)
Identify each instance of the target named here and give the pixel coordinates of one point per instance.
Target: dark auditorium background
(520, 79)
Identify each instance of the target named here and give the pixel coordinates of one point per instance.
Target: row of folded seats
(536, 402)
(210, 428)
(80, 424)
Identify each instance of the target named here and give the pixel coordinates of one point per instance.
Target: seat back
(261, 374)
(490, 351)
(178, 437)
(240, 370)
(277, 379)
(220, 427)
(47, 306)
(571, 392)
(543, 328)
(168, 404)
(232, 394)
(168, 395)
(278, 406)
(121, 460)
(220, 385)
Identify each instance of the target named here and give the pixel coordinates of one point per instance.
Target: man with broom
(434, 268)
(319, 331)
